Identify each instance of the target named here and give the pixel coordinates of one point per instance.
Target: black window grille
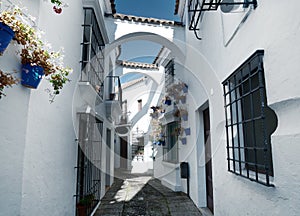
(249, 123)
(169, 73)
(92, 63)
(88, 163)
(170, 149)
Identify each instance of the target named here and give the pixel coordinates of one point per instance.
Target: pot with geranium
(38, 61)
(84, 203)
(13, 26)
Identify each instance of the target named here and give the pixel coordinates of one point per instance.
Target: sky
(139, 51)
(143, 51)
(161, 9)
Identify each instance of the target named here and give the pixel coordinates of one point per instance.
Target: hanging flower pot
(168, 101)
(183, 99)
(184, 117)
(31, 75)
(183, 140)
(185, 88)
(187, 131)
(6, 35)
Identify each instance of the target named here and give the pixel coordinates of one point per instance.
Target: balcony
(196, 8)
(113, 99)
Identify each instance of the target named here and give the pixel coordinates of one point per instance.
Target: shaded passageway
(134, 195)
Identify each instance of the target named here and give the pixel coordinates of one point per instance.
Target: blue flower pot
(168, 102)
(187, 131)
(185, 88)
(183, 141)
(184, 117)
(6, 35)
(31, 75)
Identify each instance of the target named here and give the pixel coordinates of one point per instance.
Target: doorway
(208, 158)
(123, 152)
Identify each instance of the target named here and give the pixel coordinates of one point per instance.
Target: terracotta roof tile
(137, 65)
(145, 19)
(133, 82)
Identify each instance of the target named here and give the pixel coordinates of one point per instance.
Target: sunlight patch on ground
(131, 187)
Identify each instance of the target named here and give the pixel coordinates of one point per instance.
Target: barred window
(169, 73)
(89, 160)
(249, 121)
(92, 63)
(170, 149)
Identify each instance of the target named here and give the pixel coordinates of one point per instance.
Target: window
(92, 65)
(249, 121)
(169, 73)
(89, 159)
(170, 149)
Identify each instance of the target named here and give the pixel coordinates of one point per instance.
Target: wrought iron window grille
(92, 61)
(89, 160)
(170, 149)
(169, 73)
(197, 7)
(248, 122)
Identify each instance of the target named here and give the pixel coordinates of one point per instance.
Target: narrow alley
(144, 195)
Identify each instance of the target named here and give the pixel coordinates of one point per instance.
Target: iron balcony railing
(197, 7)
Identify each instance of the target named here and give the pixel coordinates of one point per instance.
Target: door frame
(201, 165)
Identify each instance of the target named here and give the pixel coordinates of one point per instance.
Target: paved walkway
(133, 195)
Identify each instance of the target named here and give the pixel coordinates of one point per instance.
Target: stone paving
(144, 196)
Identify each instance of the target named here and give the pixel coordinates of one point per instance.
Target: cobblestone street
(144, 195)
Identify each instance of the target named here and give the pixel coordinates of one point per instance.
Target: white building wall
(272, 27)
(39, 148)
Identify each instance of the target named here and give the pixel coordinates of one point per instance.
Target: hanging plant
(58, 5)
(6, 80)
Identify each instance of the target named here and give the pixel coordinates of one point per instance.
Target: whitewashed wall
(273, 26)
(38, 137)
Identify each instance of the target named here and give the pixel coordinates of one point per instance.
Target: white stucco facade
(39, 139)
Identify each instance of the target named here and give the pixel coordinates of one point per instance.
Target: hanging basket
(6, 35)
(31, 75)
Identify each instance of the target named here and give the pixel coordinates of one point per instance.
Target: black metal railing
(88, 164)
(197, 7)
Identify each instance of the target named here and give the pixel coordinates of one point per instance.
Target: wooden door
(208, 165)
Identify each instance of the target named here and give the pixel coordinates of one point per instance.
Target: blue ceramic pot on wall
(6, 35)
(31, 75)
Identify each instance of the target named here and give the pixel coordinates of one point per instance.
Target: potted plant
(36, 57)
(13, 26)
(84, 203)
(168, 100)
(6, 80)
(38, 61)
(184, 114)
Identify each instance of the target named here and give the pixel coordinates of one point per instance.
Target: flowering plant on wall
(58, 6)
(36, 53)
(14, 18)
(6, 80)
(50, 61)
